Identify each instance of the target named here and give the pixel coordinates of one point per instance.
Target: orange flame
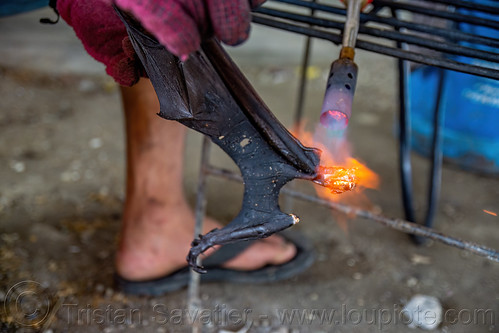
(490, 212)
(336, 153)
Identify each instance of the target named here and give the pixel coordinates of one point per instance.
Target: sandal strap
(226, 253)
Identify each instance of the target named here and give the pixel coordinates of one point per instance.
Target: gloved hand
(178, 24)
(104, 37)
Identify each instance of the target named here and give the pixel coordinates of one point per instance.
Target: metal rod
(405, 166)
(382, 49)
(303, 78)
(193, 299)
(302, 83)
(455, 35)
(398, 23)
(397, 224)
(453, 16)
(438, 45)
(469, 5)
(435, 175)
(351, 28)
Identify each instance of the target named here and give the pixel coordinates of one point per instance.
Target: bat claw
(192, 260)
(198, 246)
(199, 269)
(262, 225)
(196, 241)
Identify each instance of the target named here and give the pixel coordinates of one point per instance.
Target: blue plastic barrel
(470, 105)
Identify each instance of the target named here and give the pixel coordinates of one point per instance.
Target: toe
(273, 250)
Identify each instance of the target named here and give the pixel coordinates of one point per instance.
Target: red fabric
(104, 37)
(178, 24)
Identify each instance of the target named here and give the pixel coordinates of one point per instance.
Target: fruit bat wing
(303, 158)
(168, 81)
(168, 76)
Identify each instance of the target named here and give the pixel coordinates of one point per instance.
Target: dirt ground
(62, 189)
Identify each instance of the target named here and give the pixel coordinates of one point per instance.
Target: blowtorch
(342, 79)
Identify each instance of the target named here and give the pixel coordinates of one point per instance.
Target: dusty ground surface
(61, 194)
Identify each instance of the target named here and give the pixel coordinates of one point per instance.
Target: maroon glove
(177, 24)
(180, 24)
(104, 37)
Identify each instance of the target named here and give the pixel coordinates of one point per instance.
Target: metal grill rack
(387, 27)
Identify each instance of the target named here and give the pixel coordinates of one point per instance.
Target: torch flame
(337, 179)
(339, 172)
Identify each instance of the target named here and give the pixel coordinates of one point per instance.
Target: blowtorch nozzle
(338, 99)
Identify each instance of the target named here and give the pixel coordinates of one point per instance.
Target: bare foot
(159, 245)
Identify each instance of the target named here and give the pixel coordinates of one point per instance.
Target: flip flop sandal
(271, 273)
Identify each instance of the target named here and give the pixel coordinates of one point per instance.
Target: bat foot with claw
(260, 226)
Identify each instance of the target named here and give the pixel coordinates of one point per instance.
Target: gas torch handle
(351, 28)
